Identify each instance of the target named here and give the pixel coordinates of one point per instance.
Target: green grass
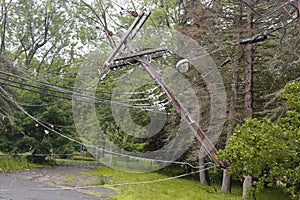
(177, 189)
(82, 158)
(69, 178)
(273, 193)
(14, 163)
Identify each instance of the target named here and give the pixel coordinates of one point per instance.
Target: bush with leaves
(269, 150)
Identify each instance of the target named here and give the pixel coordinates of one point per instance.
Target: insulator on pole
(134, 14)
(110, 33)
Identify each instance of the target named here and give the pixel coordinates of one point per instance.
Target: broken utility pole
(139, 57)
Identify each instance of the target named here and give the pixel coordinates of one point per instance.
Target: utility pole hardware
(139, 57)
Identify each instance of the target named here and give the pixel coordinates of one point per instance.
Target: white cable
(124, 184)
(8, 97)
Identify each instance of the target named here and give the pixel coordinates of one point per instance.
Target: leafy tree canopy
(269, 150)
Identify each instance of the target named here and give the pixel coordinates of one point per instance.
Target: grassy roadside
(9, 163)
(179, 189)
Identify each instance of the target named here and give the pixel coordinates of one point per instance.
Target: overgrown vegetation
(180, 189)
(9, 163)
(269, 150)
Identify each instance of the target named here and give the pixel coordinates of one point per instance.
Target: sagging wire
(86, 99)
(128, 183)
(65, 92)
(76, 97)
(257, 38)
(10, 99)
(158, 104)
(243, 42)
(53, 88)
(110, 103)
(61, 187)
(262, 15)
(37, 105)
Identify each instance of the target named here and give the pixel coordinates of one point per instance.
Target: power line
(60, 89)
(109, 103)
(9, 98)
(68, 92)
(251, 40)
(59, 188)
(130, 183)
(81, 97)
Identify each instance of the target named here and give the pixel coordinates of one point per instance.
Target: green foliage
(182, 188)
(267, 150)
(31, 137)
(292, 95)
(83, 158)
(108, 123)
(14, 163)
(39, 140)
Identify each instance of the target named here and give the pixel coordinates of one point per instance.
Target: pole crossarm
(131, 58)
(131, 61)
(131, 32)
(141, 53)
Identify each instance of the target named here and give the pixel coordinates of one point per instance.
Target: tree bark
(246, 185)
(4, 24)
(236, 65)
(298, 6)
(249, 53)
(202, 173)
(226, 182)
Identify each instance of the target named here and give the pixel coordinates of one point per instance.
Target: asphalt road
(45, 184)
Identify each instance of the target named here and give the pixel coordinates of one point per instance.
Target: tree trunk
(202, 173)
(246, 185)
(226, 182)
(298, 6)
(3, 35)
(249, 53)
(236, 65)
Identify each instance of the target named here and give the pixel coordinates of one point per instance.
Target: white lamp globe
(183, 65)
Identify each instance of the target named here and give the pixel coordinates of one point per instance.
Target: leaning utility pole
(139, 57)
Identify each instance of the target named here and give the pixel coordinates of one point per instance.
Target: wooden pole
(194, 127)
(139, 56)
